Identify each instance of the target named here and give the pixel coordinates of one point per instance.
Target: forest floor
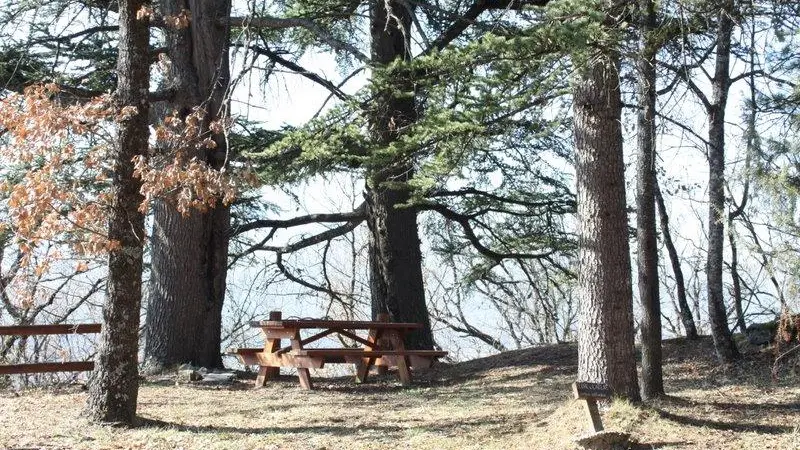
(515, 400)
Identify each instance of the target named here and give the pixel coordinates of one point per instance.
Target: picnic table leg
(302, 373)
(305, 379)
(272, 345)
(263, 376)
(362, 369)
(266, 373)
(396, 342)
(382, 317)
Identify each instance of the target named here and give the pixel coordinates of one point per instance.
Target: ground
(515, 400)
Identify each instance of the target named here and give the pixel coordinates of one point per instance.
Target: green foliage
(497, 86)
(491, 140)
(18, 68)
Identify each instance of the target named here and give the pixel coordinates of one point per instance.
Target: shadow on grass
(742, 406)
(490, 424)
(333, 430)
(739, 427)
(659, 444)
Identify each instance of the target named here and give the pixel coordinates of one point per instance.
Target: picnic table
(382, 347)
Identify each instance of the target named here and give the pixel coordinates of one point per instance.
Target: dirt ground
(516, 400)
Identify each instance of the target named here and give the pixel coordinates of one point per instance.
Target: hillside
(515, 400)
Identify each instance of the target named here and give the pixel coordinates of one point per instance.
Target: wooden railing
(40, 330)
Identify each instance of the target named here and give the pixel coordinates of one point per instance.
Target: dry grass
(517, 400)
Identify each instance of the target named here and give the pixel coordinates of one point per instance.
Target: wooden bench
(382, 348)
(345, 352)
(420, 359)
(40, 330)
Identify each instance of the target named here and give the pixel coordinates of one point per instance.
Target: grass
(516, 400)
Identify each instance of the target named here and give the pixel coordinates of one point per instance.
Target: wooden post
(382, 317)
(302, 373)
(362, 368)
(271, 345)
(274, 346)
(395, 341)
(589, 393)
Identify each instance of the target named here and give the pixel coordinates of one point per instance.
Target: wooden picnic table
(382, 347)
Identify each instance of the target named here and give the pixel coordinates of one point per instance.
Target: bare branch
(293, 66)
(469, 233)
(302, 282)
(279, 23)
(358, 214)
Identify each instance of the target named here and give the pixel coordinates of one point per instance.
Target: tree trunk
(652, 377)
(687, 319)
(717, 313)
(606, 351)
(737, 285)
(394, 245)
(396, 263)
(114, 387)
(753, 148)
(189, 254)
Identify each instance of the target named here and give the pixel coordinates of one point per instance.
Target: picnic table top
(344, 324)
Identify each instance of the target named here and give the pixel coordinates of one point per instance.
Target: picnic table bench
(383, 347)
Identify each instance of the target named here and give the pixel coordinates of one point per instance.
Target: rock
(186, 375)
(219, 377)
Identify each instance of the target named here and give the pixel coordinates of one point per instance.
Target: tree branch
(489, 195)
(278, 59)
(302, 282)
(469, 233)
(469, 17)
(279, 23)
(356, 215)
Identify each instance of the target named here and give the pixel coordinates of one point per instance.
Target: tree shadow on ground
(331, 430)
(736, 426)
(444, 427)
(740, 406)
(738, 415)
(654, 445)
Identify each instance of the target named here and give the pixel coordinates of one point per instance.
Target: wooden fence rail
(41, 330)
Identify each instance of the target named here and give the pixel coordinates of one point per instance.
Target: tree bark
(737, 285)
(753, 148)
(115, 383)
(687, 319)
(189, 254)
(396, 263)
(652, 376)
(606, 351)
(394, 246)
(723, 342)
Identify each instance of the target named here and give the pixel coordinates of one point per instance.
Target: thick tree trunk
(189, 254)
(396, 263)
(717, 313)
(115, 383)
(394, 246)
(652, 376)
(606, 351)
(187, 287)
(687, 319)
